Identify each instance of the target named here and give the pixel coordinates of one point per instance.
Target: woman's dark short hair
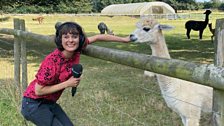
(72, 28)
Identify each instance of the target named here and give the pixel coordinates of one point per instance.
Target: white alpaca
(186, 98)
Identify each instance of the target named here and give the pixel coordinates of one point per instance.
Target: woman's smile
(70, 45)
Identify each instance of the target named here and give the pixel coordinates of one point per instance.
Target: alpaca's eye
(146, 29)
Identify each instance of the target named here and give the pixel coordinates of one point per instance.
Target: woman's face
(70, 42)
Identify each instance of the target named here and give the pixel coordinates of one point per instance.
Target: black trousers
(44, 113)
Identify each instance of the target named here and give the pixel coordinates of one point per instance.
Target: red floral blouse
(54, 69)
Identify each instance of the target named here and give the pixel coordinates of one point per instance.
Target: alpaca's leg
(192, 122)
(188, 33)
(190, 115)
(200, 34)
(184, 120)
(194, 116)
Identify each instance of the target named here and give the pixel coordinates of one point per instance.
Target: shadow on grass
(4, 19)
(193, 50)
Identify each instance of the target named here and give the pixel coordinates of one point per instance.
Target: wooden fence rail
(205, 74)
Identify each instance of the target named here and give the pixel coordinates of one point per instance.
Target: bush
(221, 7)
(208, 5)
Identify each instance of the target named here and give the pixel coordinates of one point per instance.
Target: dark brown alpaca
(39, 19)
(211, 30)
(197, 25)
(103, 28)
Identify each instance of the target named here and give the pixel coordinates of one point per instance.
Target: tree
(6, 3)
(186, 1)
(82, 6)
(74, 6)
(217, 1)
(182, 4)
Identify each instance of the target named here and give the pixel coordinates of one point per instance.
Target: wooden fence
(205, 74)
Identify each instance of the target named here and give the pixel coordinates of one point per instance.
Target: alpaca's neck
(206, 18)
(159, 48)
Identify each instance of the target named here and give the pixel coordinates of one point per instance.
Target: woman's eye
(66, 36)
(70, 36)
(75, 36)
(146, 29)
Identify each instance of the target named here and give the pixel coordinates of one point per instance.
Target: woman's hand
(73, 82)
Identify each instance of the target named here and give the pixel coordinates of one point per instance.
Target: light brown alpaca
(211, 30)
(39, 19)
(186, 98)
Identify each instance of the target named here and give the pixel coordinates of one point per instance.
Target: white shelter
(145, 8)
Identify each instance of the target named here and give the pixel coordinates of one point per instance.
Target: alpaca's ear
(165, 27)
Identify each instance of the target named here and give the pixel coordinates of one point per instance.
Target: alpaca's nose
(132, 37)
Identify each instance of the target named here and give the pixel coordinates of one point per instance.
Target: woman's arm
(106, 37)
(44, 90)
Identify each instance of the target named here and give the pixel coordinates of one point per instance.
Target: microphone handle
(73, 91)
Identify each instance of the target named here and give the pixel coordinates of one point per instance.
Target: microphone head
(77, 70)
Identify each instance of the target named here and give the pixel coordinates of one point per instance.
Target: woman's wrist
(65, 85)
(126, 39)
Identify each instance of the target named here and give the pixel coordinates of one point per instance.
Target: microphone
(76, 72)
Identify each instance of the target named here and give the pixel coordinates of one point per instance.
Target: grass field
(109, 94)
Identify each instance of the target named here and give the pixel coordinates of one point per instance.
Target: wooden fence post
(17, 56)
(20, 57)
(218, 101)
(23, 57)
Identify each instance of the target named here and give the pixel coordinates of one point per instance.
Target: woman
(54, 75)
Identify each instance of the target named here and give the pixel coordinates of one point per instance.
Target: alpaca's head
(207, 12)
(148, 30)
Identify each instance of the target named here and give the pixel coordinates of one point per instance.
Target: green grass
(109, 94)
